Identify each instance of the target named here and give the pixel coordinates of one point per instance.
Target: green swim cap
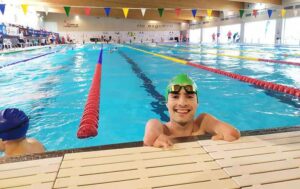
(181, 79)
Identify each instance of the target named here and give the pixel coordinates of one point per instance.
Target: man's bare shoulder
(203, 117)
(36, 145)
(199, 124)
(158, 124)
(153, 122)
(1, 146)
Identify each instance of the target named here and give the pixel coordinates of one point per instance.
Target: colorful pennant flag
(160, 11)
(143, 11)
(177, 11)
(2, 8)
(242, 13)
(67, 10)
(283, 12)
(209, 12)
(125, 11)
(46, 9)
(87, 11)
(270, 13)
(254, 12)
(194, 12)
(107, 11)
(25, 8)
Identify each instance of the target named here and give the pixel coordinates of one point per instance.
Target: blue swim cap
(13, 124)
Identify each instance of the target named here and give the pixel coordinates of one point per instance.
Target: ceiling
(77, 7)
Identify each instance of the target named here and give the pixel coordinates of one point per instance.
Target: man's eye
(175, 96)
(191, 96)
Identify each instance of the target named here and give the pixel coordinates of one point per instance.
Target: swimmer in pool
(182, 103)
(13, 127)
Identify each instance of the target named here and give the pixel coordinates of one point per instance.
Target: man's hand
(226, 133)
(163, 141)
(220, 130)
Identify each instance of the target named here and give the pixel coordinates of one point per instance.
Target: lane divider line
(242, 57)
(223, 49)
(26, 60)
(89, 121)
(21, 50)
(160, 55)
(261, 83)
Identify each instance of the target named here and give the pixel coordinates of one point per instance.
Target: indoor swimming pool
(52, 85)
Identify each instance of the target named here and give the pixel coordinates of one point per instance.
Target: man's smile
(182, 110)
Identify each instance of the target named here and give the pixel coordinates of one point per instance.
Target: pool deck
(267, 161)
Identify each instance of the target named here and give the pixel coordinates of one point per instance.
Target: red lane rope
(257, 82)
(244, 57)
(89, 122)
(279, 61)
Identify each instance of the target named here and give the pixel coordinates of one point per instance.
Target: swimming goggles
(188, 89)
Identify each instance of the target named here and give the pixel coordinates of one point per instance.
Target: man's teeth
(182, 111)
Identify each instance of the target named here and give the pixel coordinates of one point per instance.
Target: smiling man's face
(182, 107)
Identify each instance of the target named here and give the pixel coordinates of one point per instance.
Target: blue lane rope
(21, 61)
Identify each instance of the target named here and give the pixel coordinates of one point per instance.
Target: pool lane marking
(242, 57)
(158, 105)
(26, 60)
(261, 83)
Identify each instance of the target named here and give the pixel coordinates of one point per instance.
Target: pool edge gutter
(60, 153)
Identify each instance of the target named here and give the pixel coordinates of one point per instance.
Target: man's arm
(1, 146)
(220, 130)
(155, 136)
(36, 146)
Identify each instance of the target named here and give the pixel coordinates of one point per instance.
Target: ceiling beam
(153, 4)
(274, 2)
(56, 6)
(168, 15)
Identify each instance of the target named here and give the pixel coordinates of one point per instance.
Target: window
(14, 15)
(195, 35)
(261, 32)
(208, 34)
(291, 31)
(235, 31)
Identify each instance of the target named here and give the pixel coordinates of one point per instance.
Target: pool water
(53, 89)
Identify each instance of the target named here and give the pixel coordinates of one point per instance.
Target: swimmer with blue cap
(182, 103)
(14, 124)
